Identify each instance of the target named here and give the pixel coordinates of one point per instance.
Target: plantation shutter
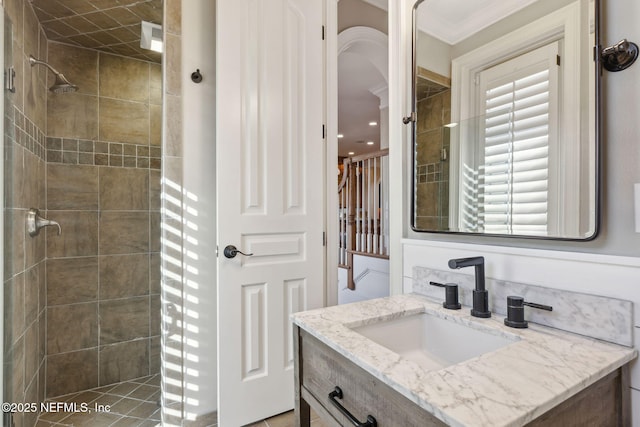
(518, 135)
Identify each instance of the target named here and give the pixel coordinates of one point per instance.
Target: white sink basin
(431, 341)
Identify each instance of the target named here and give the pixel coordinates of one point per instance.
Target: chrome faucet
(480, 294)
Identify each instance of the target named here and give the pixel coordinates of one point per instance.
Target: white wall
(199, 182)
(565, 268)
(372, 280)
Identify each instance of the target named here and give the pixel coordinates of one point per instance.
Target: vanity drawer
(322, 369)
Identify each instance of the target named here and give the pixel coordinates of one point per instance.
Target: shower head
(61, 84)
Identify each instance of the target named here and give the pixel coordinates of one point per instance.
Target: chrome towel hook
(619, 56)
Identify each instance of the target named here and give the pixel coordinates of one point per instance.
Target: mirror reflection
(505, 133)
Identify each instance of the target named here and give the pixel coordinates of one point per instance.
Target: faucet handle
(515, 311)
(450, 295)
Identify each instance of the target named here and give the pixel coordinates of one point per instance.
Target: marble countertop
(506, 387)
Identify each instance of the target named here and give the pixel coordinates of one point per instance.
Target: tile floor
(286, 420)
(131, 403)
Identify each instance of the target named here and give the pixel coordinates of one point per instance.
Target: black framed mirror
(506, 118)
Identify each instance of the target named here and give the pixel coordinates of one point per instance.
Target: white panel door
(270, 151)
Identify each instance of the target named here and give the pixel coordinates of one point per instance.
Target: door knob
(231, 251)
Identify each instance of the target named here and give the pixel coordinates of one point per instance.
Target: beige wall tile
(14, 309)
(31, 34)
(124, 78)
(61, 337)
(173, 126)
(31, 360)
(35, 94)
(72, 115)
(154, 273)
(155, 232)
(42, 285)
(124, 121)
(15, 381)
(124, 319)
(124, 361)
(124, 189)
(155, 190)
(72, 187)
(31, 395)
(72, 280)
(14, 241)
(173, 16)
(154, 355)
(71, 372)
(124, 232)
(155, 84)
(31, 290)
(173, 61)
(155, 316)
(79, 234)
(124, 276)
(155, 125)
(15, 174)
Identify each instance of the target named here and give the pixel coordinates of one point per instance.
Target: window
(500, 85)
(518, 104)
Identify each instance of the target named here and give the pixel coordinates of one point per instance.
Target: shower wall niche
(82, 309)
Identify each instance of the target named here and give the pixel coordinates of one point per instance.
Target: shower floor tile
(127, 404)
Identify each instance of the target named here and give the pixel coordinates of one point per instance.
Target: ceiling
(455, 20)
(111, 26)
(357, 105)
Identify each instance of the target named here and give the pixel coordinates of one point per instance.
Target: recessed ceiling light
(373, 123)
(369, 142)
(351, 153)
(451, 125)
(340, 135)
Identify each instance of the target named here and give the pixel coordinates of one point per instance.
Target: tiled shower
(82, 309)
(432, 147)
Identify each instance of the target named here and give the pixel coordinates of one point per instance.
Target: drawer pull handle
(337, 393)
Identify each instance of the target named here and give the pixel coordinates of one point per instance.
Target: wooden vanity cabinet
(319, 369)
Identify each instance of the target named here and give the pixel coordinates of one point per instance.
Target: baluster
(340, 225)
(357, 207)
(375, 206)
(369, 200)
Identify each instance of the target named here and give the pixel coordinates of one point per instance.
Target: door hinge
(216, 251)
(323, 32)
(324, 135)
(324, 238)
(558, 60)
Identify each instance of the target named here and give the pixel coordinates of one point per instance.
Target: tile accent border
(25, 133)
(100, 153)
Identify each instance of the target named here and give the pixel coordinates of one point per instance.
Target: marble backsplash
(604, 318)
